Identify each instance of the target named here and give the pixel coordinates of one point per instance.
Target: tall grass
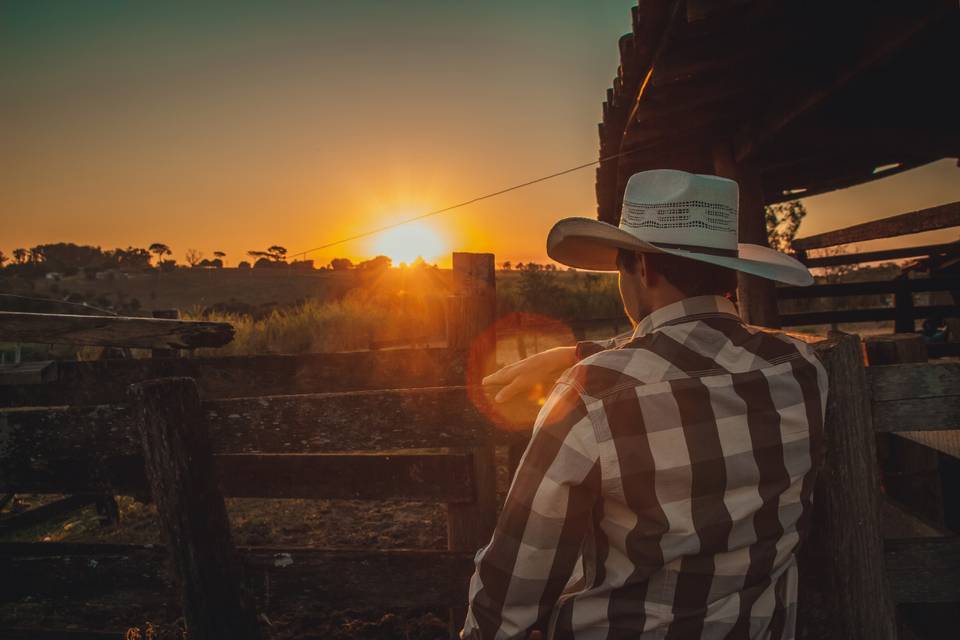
(351, 323)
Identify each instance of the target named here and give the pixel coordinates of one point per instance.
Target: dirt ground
(330, 524)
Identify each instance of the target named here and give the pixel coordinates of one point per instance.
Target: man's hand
(540, 370)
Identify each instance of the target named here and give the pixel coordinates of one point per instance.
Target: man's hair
(691, 277)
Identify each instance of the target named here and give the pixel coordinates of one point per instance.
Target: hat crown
(679, 208)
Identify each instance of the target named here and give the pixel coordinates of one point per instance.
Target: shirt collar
(686, 310)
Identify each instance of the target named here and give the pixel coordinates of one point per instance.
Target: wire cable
(462, 204)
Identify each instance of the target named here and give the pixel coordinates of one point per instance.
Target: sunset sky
(237, 126)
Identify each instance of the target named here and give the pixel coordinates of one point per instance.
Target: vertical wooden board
(178, 455)
(756, 297)
(843, 585)
(474, 313)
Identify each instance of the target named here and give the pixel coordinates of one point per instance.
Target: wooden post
(471, 327)
(179, 463)
(757, 297)
(903, 307)
(169, 314)
(843, 585)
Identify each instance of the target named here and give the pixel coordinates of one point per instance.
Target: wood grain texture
(183, 482)
(939, 217)
(106, 382)
(112, 331)
(319, 578)
(924, 569)
(403, 475)
(843, 587)
(915, 397)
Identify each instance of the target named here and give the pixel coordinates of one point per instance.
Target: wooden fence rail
(106, 381)
(112, 331)
(939, 217)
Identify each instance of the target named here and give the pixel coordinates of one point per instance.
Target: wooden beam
(105, 382)
(436, 475)
(916, 397)
(315, 579)
(843, 591)
(28, 373)
(112, 331)
(756, 297)
(861, 315)
(887, 254)
(55, 440)
(948, 283)
(939, 217)
(880, 39)
(924, 569)
(193, 516)
(45, 513)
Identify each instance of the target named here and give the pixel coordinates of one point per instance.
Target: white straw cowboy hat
(683, 214)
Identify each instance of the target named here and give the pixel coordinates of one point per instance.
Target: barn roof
(813, 96)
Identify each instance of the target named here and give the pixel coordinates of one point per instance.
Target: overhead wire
(458, 205)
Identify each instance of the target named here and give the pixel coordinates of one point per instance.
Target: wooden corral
(188, 441)
(789, 98)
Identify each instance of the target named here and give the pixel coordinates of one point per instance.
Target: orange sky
(299, 124)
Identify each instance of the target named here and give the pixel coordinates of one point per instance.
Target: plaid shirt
(665, 489)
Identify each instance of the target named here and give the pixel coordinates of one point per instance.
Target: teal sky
(237, 125)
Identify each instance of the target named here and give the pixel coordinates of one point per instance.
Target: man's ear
(644, 274)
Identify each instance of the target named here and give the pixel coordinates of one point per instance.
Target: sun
(408, 242)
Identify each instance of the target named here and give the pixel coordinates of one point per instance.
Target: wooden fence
(215, 427)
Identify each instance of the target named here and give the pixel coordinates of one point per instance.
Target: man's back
(671, 477)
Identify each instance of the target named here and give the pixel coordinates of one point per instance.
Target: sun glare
(408, 242)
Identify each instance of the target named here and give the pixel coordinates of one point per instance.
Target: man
(668, 481)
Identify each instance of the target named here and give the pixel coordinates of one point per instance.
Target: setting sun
(408, 242)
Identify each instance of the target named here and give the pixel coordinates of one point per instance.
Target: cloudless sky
(233, 126)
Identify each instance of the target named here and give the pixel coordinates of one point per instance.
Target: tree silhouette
(159, 249)
(20, 255)
(3, 259)
(275, 253)
(506, 266)
(783, 221)
(193, 257)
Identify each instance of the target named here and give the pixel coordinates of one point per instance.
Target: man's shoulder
(677, 353)
(630, 365)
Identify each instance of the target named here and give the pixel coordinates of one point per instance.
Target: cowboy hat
(667, 211)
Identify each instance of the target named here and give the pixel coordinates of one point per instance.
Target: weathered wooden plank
(915, 397)
(939, 217)
(861, 315)
(28, 373)
(843, 591)
(112, 331)
(924, 569)
(913, 380)
(193, 516)
(404, 475)
(45, 512)
(320, 578)
(105, 382)
(324, 422)
(886, 254)
(919, 414)
(869, 288)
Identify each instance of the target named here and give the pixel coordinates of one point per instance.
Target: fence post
(179, 463)
(903, 307)
(843, 585)
(470, 326)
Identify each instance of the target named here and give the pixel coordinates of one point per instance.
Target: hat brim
(585, 243)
